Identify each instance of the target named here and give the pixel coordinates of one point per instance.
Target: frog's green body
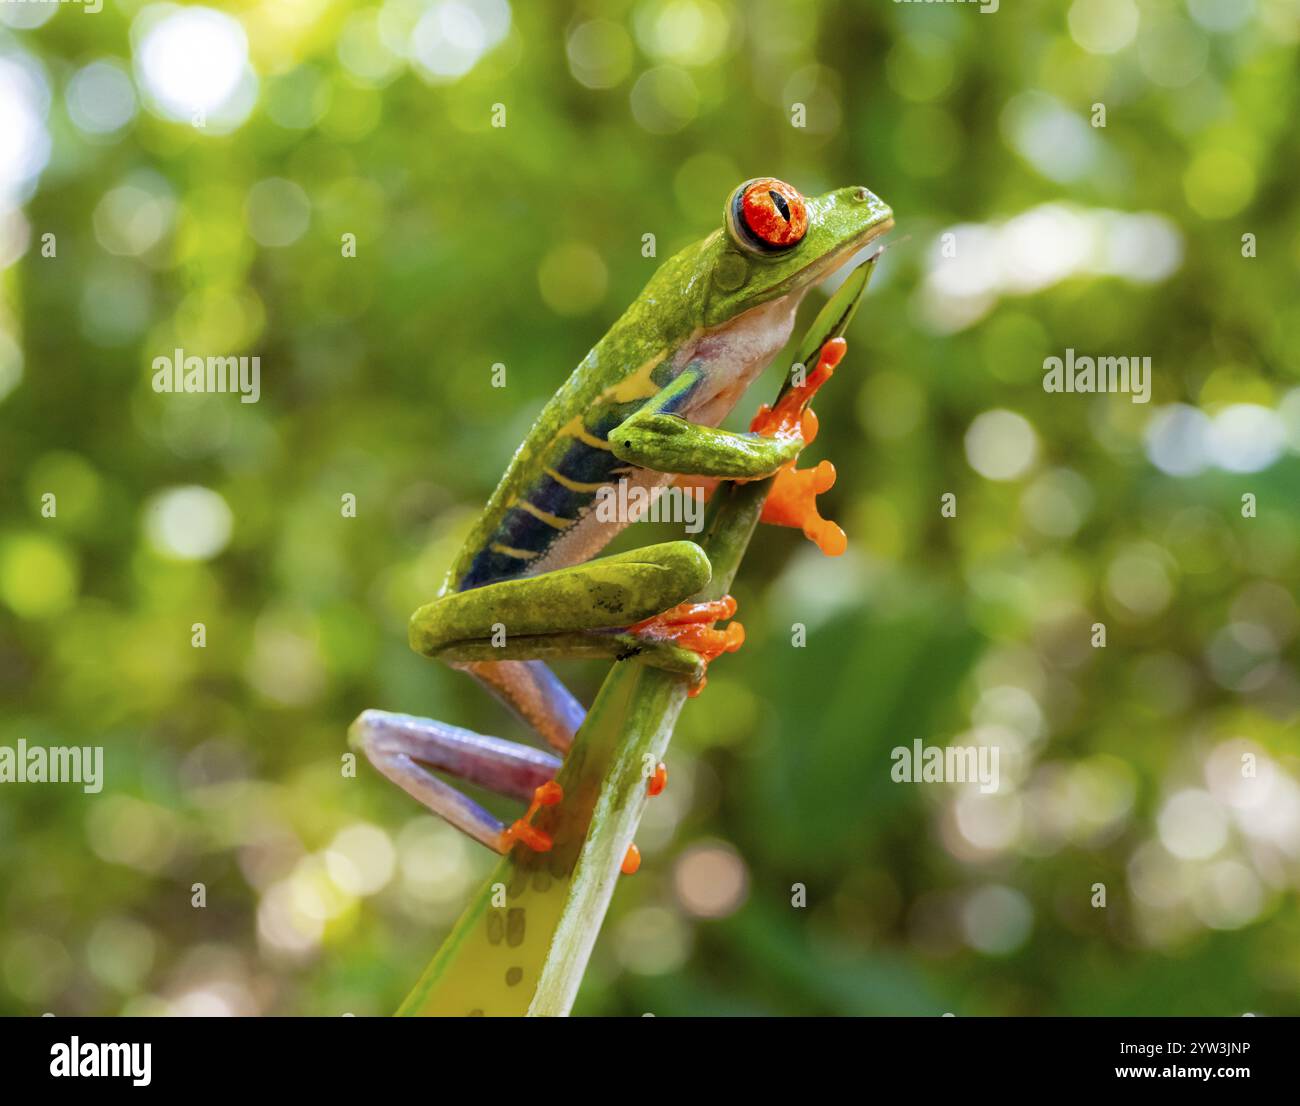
(716, 307)
(642, 406)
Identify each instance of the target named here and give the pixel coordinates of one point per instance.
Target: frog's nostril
(861, 195)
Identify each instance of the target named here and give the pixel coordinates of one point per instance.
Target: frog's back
(540, 516)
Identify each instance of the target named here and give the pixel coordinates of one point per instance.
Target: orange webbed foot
(548, 794)
(690, 626)
(793, 502)
(793, 498)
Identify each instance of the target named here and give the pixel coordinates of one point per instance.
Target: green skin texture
(705, 286)
(523, 942)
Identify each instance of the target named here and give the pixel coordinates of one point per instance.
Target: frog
(643, 408)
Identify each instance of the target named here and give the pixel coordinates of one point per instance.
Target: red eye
(770, 213)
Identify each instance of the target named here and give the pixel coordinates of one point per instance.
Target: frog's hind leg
(588, 610)
(535, 693)
(405, 748)
(629, 605)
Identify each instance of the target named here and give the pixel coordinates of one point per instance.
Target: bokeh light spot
(664, 99)
(278, 212)
(1219, 183)
(453, 35)
(191, 61)
(997, 920)
(600, 53)
(572, 279)
(711, 880)
(188, 523)
(101, 97)
(1001, 445)
(361, 859)
(38, 576)
(1193, 825)
(1103, 26)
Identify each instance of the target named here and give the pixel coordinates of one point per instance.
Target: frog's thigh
(604, 594)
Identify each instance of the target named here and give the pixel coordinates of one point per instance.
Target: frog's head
(775, 242)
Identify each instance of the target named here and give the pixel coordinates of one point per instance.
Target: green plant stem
(654, 700)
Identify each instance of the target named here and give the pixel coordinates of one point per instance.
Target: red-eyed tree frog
(643, 407)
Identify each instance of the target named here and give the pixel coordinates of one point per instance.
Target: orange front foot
(524, 831)
(690, 626)
(793, 498)
(793, 502)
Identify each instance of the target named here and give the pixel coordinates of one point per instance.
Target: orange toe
(685, 614)
(790, 416)
(631, 860)
(690, 626)
(655, 784)
(548, 794)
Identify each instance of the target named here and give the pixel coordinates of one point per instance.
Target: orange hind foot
(690, 626)
(523, 829)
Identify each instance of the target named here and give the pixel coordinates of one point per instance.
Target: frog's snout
(865, 204)
(860, 194)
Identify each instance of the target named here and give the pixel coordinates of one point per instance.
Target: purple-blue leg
(535, 693)
(400, 746)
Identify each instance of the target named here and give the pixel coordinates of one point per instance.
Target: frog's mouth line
(797, 285)
(833, 262)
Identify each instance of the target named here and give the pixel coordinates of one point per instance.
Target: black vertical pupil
(781, 205)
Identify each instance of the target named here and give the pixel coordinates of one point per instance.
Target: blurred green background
(199, 168)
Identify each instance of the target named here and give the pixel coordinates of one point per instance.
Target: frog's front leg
(699, 456)
(655, 437)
